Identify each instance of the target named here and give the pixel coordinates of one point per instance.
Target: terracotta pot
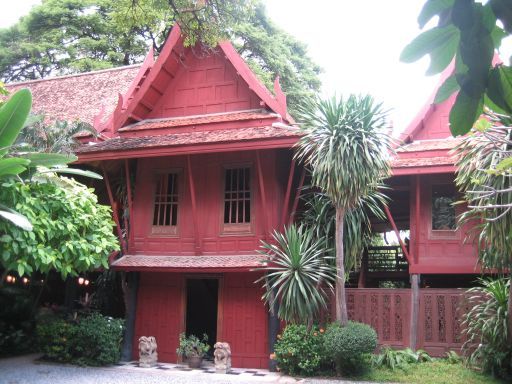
(194, 361)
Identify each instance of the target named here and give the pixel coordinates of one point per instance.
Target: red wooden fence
(388, 311)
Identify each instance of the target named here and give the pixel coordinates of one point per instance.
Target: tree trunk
(510, 310)
(341, 300)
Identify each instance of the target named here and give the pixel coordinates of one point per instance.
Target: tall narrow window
(443, 210)
(237, 197)
(165, 216)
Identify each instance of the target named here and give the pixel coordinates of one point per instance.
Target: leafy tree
(345, 148)
(102, 34)
(298, 274)
(469, 32)
(484, 175)
(71, 232)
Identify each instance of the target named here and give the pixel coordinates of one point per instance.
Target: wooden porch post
(273, 331)
(286, 202)
(130, 206)
(415, 310)
(132, 287)
(297, 196)
(192, 187)
(263, 195)
(397, 234)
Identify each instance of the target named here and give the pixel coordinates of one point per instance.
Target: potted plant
(193, 349)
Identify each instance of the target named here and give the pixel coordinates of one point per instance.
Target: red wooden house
(203, 152)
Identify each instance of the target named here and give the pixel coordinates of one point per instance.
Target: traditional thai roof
(80, 96)
(205, 263)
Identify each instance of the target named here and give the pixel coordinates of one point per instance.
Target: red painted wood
(297, 196)
(191, 185)
(245, 321)
(208, 183)
(434, 252)
(130, 201)
(387, 311)
(397, 234)
(160, 312)
(263, 195)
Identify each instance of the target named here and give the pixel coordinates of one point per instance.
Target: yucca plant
(485, 327)
(345, 148)
(298, 275)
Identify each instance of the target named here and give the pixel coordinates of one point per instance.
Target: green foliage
(92, 340)
(71, 234)
(453, 357)
(350, 345)
(102, 33)
(345, 148)
(399, 358)
(298, 275)
(54, 339)
(467, 32)
(52, 137)
(485, 326)
(299, 350)
(320, 216)
(437, 372)
(192, 346)
(344, 145)
(97, 340)
(16, 321)
(487, 191)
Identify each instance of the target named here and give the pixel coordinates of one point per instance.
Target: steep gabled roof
(154, 79)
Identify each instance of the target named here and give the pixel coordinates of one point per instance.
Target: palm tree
(298, 275)
(52, 137)
(345, 148)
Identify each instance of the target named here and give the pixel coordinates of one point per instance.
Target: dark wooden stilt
(273, 331)
(132, 282)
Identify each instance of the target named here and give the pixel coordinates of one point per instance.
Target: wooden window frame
(446, 234)
(234, 229)
(167, 230)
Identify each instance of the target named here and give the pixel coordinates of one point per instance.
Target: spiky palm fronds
(52, 137)
(298, 275)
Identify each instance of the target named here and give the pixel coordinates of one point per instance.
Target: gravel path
(24, 370)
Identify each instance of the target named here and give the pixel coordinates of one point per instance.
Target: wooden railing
(388, 311)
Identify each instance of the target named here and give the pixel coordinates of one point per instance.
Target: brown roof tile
(422, 162)
(190, 138)
(79, 96)
(430, 145)
(189, 262)
(199, 120)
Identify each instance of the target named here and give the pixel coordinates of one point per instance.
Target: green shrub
(16, 321)
(54, 339)
(300, 351)
(453, 357)
(350, 345)
(399, 358)
(97, 340)
(485, 326)
(92, 340)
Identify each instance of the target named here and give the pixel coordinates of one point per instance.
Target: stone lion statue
(222, 355)
(147, 352)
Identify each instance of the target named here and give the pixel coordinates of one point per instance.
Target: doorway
(202, 309)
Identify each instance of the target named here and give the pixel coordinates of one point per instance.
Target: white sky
(356, 42)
